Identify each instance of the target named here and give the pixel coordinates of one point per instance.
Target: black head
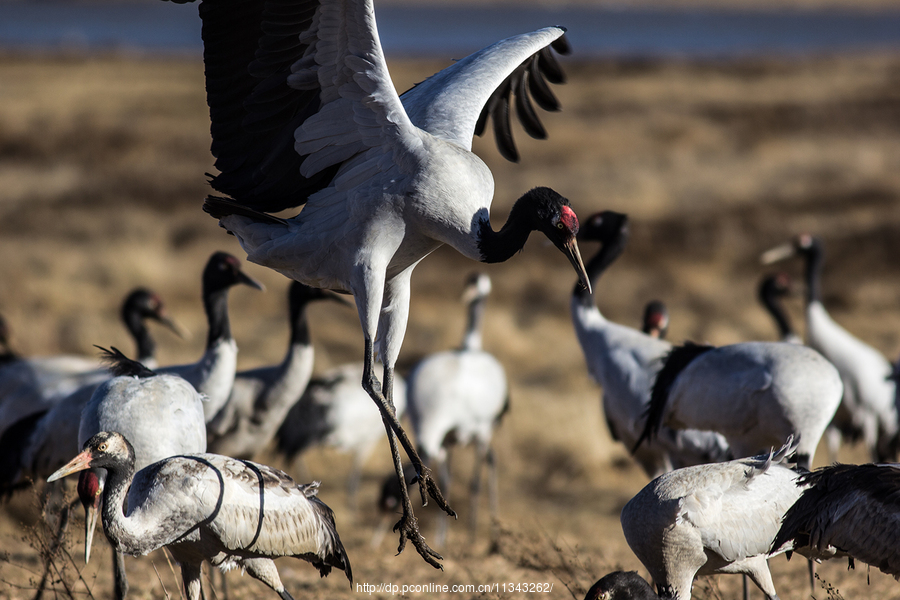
(224, 271)
(776, 285)
(300, 294)
(604, 227)
(142, 304)
(555, 218)
(621, 585)
(656, 319)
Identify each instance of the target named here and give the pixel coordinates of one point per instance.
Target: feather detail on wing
(454, 104)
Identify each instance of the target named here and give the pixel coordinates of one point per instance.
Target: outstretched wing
(455, 103)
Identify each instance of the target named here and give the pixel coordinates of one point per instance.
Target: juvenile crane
(304, 113)
(624, 362)
(161, 412)
(707, 519)
(847, 510)
(261, 398)
(230, 512)
(458, 397)
(867, 407)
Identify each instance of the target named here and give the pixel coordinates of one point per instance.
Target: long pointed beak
(247, 280)
(91, 512)
(570, 249)
(777, 254)
(79, 463)
(177, 328)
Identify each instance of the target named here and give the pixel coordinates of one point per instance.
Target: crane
(459, 397)
(336, 412)
(304, 113)
(715, 518)
(847, 510)
(162, 413)
(230, 512)
(867, 407)
(751, 392)
(39, 443)
(34, 385)
(621, 585)
(772, 288)
(261, 398)
(624, 362)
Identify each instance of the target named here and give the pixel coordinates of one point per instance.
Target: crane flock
(305, 118)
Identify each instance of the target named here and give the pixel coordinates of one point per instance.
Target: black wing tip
(219, 207)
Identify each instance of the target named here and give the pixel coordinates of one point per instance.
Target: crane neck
(215, 303)
(118, 527)
(146, 347)
(472, 338)
(814, 261)
(611, 250)
(500, 246)
(773, 304)
(299, 326)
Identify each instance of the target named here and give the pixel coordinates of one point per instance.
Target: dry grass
(101, 163)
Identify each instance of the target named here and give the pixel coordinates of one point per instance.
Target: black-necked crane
(624, 362)
(867, 408)
(161, 412)
(753, 393)
(42, 441)
(233, 513)
(621, 585)
(847, 510)
(213, 375)
(335, 412)
(304, 113)
(34, 385)
(261, 398)
(715, 518)
(655, 321)
(456, 398)
(772, 290)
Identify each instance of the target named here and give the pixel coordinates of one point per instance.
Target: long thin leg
(408, 524)
(444, 478)
(475, 489)
(493, 491)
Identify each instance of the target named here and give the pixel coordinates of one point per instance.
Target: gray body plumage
(706, 519)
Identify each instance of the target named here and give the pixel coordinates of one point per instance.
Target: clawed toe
(408, 526)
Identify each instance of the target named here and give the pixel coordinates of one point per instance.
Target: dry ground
(101, 178)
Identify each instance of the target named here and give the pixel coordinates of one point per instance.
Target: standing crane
(753, 393)
(624, 362)
(40, 442)
(261, 398)
(458, 397)
(161, 412)
(230, 512)
(336, 412)
(304, 113)
(847, 510)
(34, 385)
(867, 407)
(715, 518)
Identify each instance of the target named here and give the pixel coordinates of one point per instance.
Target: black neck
(814, 261)
(215, 302)
(146, 347)
(607, 255)
(299, 326)
(773, 304)
(499, 246)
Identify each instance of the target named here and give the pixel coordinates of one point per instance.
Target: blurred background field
(102, 157)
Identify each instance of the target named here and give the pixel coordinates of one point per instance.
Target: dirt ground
(101, 180)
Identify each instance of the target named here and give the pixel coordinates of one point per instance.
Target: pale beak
(777, 254)
(176, 327)
(570, 249)
(79, 463)
(247, 280)
(90, 492)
